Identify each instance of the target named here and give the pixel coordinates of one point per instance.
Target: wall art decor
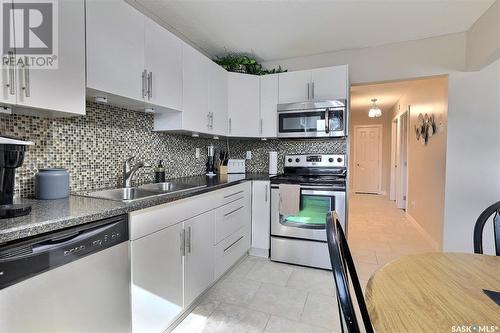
(425, 127)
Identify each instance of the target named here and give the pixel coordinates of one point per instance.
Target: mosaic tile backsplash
(93, 147)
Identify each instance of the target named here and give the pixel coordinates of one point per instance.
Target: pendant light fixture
(374, 111)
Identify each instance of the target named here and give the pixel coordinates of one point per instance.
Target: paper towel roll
(273, 162)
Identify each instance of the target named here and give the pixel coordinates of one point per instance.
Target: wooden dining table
(435, 292)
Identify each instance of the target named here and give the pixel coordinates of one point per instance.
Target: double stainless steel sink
(128, 194)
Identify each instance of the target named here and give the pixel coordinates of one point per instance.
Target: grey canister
(52, 183)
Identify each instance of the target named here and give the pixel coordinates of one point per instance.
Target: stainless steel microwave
(312, 119)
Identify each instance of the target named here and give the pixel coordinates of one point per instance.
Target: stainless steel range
(318, 184)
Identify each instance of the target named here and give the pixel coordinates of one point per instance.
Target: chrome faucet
(129, 171)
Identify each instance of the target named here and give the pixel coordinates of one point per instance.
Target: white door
(115, 48)
(329, 83)
(243, 105)
(367, 159)
(268, 105)
(61, 89)
(195, 70)
(199, 269)
(217, 100)
(261, 218)
(394, 162)
(163, 60)
(294, 86)
(157, 279)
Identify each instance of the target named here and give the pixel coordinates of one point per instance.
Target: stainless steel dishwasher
(76, 280)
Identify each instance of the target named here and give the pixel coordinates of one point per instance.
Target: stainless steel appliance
(312, 119)
(301, 239)
(11, 157)
(76, 280)
(210, 160)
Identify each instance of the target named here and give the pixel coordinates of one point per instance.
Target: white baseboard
(257, 252)
(423, 232)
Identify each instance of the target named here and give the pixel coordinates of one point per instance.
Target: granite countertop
(52, 215)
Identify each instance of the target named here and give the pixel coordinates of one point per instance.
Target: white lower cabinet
(199, 257)
(157, 279)
(261, 217)
(176, 255)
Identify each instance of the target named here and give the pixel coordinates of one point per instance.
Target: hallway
(379, 232)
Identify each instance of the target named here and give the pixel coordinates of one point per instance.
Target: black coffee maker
(11, 157)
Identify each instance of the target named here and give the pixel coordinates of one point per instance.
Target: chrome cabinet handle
(265, 196)
(144, 74)
(212, 120)
(188, 240)
(327, 120)
(11, 85)
(150, 85)
(308, 90)
(312, 90)
(26, 67)
(208, 120)
(183, 242)
(261, 125)
(230, 125)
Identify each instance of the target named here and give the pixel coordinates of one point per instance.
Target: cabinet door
(294, 86)
(61, 89)
(8, 90)
(157, 279)
(164, 64)
(115, 48)
(244, 105)
(330, 83)
(261, 217)
(199, 269)
(195, 70)
(268, 103)
(217, 100)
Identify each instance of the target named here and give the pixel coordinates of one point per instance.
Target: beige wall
(483, 39)
(427, 163)
(360, 117)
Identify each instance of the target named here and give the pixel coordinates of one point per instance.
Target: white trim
(424, 233)
(258, 252)
(10, 141)
(380, 143)
(394, 148)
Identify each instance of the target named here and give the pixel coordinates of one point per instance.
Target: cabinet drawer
(230, 250)
(230, 218)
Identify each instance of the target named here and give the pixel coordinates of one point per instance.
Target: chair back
(493, 210)
(343, 268)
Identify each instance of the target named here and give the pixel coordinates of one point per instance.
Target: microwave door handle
(327, 120)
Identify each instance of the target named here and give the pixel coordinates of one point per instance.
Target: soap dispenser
(160, 173)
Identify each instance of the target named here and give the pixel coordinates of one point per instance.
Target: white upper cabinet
(243, 105)
(163, 62)
(195, 70)
(294, 86)
(268, 105)
(317, 84)
(115, 49)
(217, 100)
(60, 90)
(330, 83)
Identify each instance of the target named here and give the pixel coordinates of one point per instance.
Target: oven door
(326, 122)
(310, 222)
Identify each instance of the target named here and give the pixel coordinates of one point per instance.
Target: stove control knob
(339, 159)
(330, 160)
(297, 160)
(290, 160)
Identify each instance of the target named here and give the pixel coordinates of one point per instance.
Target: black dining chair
(493, 210)
(343, 268)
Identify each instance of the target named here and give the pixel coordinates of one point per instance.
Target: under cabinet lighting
(195, 135)
(149, 110)
(101, 99)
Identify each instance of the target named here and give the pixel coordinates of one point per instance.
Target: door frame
(380, 143)
(401, 180)
(394, 142)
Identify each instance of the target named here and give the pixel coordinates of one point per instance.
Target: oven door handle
(327, 120)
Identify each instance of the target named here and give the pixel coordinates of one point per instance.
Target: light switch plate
(197, 152)
(249, 155)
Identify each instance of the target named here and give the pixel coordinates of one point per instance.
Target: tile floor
(264, 296)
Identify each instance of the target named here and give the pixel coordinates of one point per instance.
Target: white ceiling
(387, 94)
(278, 29)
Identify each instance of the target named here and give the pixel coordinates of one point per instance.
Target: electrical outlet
(5, 109)
(197, 152)
(249, 155)
(413, 204)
